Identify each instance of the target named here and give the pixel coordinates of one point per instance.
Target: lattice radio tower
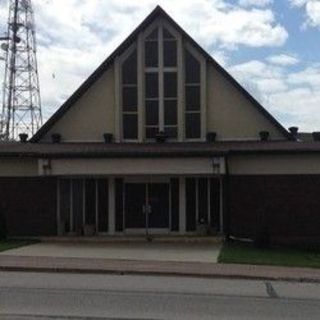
(21, 109)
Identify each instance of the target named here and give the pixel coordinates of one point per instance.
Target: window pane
(193, 125)
(65, 205)
(130, 126)
(129, 69)
(152, 85)
(192, 97)
(153, 35)
(90, 201)
(152, 112)
(191, 204)
(130, 99)
(103, 208)
(152, 132)
(203, 201)
(77, 205)
(170, 84)
(171, 132)
(170, 112)
(170, 53)
(192, 69)
(151, 53)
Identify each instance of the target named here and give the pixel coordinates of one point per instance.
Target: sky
(272, 47)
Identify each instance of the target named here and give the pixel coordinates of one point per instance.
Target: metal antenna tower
(21, 109)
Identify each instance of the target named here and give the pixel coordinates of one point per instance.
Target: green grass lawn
(247, 253)
(12, 244)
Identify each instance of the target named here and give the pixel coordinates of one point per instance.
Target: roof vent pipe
(264, 135)
(108, 137)
(23, 137)
(316, 135)
(211, 136)
(56, 137)
(294, 132)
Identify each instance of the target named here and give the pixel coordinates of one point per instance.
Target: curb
(169, 273)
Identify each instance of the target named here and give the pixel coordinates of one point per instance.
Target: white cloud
(238, 26)
(309, 76)
(255, 3)
(293, 97)
(283, 60)
(312, 11)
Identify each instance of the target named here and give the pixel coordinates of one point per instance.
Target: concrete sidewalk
(133, 250)
(167, 268)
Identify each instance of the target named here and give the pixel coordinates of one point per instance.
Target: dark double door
(146, 206)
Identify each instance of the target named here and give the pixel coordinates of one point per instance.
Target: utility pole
(21, 106)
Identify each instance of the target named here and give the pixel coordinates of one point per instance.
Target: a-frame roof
(158, 11)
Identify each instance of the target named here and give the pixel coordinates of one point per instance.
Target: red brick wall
(288, 205)
(29, 205)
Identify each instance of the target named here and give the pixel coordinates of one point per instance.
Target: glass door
(158, 203)
(146, 207)
(134, 207)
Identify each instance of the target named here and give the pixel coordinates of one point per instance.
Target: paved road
(40, 296)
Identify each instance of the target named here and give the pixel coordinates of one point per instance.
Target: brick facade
(288, 206)
(29, 206)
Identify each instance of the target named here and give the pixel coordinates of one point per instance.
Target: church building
(161, 140)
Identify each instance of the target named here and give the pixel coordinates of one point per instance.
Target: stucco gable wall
(231, 114)
(91, 116)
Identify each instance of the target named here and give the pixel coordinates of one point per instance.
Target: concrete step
(131, 238)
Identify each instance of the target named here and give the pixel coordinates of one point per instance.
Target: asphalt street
(43, 296)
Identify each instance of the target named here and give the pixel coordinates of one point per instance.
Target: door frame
(147, 181)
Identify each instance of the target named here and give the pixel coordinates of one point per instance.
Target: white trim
(182, 205)
(111, 206)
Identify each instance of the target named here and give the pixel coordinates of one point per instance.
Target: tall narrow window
(130, 97)
(161, 83)
(192, 98)
(170, 104)
(152, 84)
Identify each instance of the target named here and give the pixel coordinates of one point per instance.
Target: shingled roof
(158, 11)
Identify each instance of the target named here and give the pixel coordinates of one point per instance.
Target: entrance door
(146, 206)
(135, 201)
(158, 200)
